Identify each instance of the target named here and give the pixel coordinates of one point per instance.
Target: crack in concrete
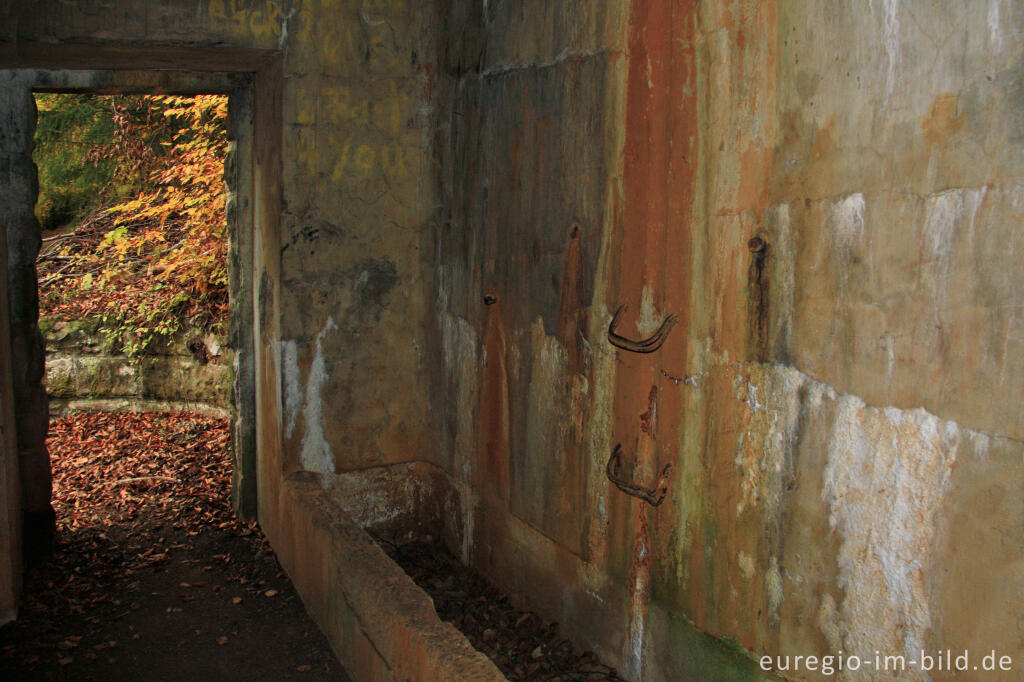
(566, 55)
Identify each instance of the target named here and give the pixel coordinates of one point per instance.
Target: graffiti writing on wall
(355, 130)
(339, 155)
(264, 21)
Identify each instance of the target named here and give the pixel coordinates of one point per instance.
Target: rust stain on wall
(648, 420)
(942, 119)
(570, 309)
(758, 300)
(492, 475)
(653, 266)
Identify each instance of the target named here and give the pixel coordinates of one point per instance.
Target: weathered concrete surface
(10, 495)
(400, 503)
(17, 193)
(357, 231)
(344, 210)
(922, 214)
(466, 191)
(835, 397)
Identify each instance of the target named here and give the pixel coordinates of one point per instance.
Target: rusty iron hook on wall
(648, 345)
(652, 496)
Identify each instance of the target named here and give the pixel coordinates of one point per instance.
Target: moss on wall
(189, 370)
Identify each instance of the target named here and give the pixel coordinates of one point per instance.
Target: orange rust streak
(656, 240)
(756, 162)
(642, 249)
(683, 135)
(492, 429)
(648, 420)
(660, 143)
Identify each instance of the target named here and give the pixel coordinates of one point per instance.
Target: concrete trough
(381, 625)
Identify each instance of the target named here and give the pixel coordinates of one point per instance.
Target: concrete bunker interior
(451, 201)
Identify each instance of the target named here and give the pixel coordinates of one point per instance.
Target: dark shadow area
(523, 646)
(153, 576)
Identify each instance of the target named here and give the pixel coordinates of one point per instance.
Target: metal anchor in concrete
(652, 496)
(648, 345)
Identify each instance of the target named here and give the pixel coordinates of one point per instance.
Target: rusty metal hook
(652, 496)
(648, 345)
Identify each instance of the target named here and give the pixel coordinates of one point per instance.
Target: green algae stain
(695, 655)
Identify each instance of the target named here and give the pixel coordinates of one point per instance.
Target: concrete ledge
(382, 626)
(59, 408)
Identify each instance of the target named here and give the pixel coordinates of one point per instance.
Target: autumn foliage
(151, 264)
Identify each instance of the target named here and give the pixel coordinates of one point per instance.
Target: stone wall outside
(192, 372)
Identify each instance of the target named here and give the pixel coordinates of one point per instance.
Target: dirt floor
(153, 578)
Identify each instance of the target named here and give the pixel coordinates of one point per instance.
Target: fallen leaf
(222, 640)
(236, 600)
(304, 668)
(270, 593)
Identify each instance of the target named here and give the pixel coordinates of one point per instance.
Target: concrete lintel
(28, 55)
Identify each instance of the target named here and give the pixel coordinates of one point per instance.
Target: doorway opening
(133, 310)
(133, 305)
(169, 502)
(126, 273)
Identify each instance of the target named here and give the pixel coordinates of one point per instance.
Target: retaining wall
(190, 372)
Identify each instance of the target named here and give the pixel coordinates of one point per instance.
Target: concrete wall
(10, 495)
(465, 192)
(17, 220)
(343, 211)
(840, 400)
(360, 202)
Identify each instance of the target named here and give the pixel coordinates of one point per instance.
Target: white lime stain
(887, 473)
(292, 392)
(316, 454)
(846, 223)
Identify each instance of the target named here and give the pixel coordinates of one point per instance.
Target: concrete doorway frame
(251, 80)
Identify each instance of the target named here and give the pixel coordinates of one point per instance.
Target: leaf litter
(520, 643)
(144, 522)
(139, 495)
